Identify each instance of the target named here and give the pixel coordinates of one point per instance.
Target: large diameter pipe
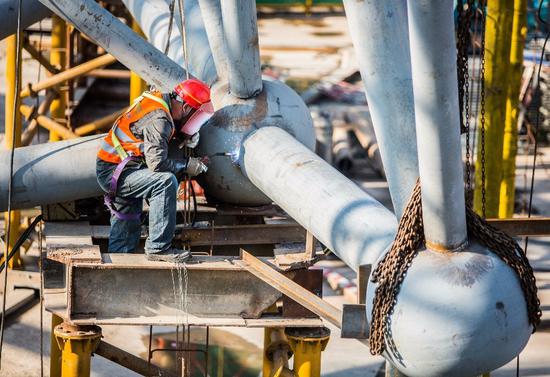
(153, 16)
(433, 55)
(128, 47)
(32, 12)
(339, 213)
(241, 37)
(212, 18)
(51, 173)
(379, 34)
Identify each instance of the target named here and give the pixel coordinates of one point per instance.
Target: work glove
(193, 141)
(195, 166)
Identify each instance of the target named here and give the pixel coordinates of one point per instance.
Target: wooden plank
(291, 289)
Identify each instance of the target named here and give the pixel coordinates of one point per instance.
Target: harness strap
(109, 198)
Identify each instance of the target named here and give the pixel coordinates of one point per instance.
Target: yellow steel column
(266, 364)
(498, 29)
(137, 85)
(77, 343)
(58, 58)
(11, 73)
(507, 185)
(55, 352)
(307, 344)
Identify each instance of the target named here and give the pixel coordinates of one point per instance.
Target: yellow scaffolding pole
(58, 58)
(11, 73)
(137, 85)
(507, 185)
(498, 30)
(55, 351)
(307, 345)
(77, 343)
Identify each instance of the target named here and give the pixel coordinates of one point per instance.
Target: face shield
(198, 119)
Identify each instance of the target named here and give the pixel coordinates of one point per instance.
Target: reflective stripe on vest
(120, 142)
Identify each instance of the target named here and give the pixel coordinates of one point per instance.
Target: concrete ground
(318, 47)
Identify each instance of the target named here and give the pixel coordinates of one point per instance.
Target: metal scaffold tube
(498, 31)
(509, 150)
(241, 38)
(379, 33)
(433, 56)
(338, 212)
(111, 34)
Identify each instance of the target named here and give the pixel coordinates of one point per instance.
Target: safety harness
(125, 159)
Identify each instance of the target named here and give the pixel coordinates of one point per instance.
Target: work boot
(171, 254)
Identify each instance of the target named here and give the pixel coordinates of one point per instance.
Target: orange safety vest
(120, 142)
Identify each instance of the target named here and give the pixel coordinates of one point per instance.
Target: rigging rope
(392, 269)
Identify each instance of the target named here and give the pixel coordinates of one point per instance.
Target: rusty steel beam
(523, 227)
(129, 361)
(225, 235)
(296, 292)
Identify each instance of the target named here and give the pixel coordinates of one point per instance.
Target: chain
(482, 108)
(390, 272)
(463, 34)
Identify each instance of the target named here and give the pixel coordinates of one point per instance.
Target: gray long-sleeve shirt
(155, 129)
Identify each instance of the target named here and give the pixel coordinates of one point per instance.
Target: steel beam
(296, 292)
(216, 287)
(128, 47)
(241, 37)
(379, 33)
(433, 56)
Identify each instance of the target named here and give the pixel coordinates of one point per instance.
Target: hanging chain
(463, 37)
(392, 269)
(482, 108)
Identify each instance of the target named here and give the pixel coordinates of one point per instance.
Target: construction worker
(133, 165)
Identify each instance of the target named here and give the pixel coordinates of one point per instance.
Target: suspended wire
(170, 25)
(10, 182)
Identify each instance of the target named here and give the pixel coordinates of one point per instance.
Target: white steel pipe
(32, 12)
(212, 18)
(379, 34)
(241, 38)
(128, 47)
(153, 16)
(340, 214)
(433, 55)
(51, 173)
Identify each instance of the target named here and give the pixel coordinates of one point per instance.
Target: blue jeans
(136, 183)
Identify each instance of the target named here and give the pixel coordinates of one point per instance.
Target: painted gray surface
(457, 315)
(339, 213)
(51, 173)
(241, 43)
(127, 46)
(379, 33)
(213, 23)
(433, 55)
(33, 11)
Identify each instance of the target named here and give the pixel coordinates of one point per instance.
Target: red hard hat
(193, 92)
